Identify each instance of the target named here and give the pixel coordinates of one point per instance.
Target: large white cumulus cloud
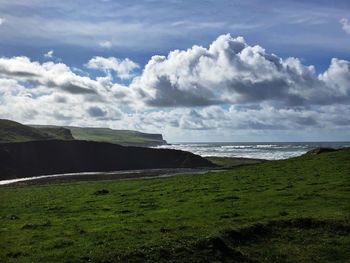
(231, 71)
(337, 78)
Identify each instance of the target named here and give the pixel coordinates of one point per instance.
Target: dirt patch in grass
(101, 192)
(36, 225)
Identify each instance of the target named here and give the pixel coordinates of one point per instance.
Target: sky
(195, 71)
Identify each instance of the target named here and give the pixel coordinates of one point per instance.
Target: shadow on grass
(231, 245)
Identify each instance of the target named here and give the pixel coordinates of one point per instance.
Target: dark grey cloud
(260, 125)
(95, 111)
(59, 116)
(168, 95)
(76, 89)
(307, 121)
(250, 91)
(60, 99)
(17, 74)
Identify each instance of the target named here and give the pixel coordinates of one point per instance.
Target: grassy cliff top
(294, 210)
(123, 137)
(11, 131)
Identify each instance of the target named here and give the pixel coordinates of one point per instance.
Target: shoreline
(223, 164)
(105, 176)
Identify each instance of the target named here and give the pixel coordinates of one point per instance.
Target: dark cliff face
(35, 158)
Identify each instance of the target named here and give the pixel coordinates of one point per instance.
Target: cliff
(36, 158)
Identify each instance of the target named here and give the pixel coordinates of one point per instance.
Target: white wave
(266, 146)
(269, 151)
(236, 146)
(258, 151)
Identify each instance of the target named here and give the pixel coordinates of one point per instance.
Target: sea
(256, 150)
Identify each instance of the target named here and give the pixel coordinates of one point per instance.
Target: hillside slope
(11, 131)
(19, 160)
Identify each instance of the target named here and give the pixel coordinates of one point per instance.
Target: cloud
(49, 74)
(49, 54)
(215, 119)
(96, 111)
(105, 44)
(228, 87)
(345, 25)
(50, 93)
(2, 20)
(232, 72)
(195, 25)
(122, 67)
(337, 79)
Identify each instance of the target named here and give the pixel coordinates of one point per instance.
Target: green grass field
(295, 210)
